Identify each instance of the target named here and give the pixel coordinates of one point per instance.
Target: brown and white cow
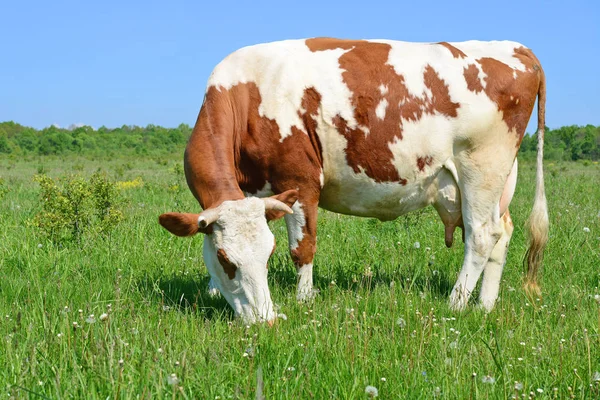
(373, 128)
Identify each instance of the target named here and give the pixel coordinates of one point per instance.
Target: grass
(381, 318)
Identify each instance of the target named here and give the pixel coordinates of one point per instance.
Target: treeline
(566, 143)
(85, 140)
(571, 142)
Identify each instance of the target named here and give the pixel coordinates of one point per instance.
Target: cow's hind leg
(302, 236)
(481, 184)
(492, 273)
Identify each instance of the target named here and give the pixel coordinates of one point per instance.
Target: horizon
(150, 63)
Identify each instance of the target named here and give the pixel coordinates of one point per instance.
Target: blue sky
(132, 62)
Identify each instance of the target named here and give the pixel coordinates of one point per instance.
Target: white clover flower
(540, 390)
(586, 229)
(250, 352)
(90, 319)
(417, 245)
(383, 379)
(371, 391)
(40, 245)
(401, 323)
(518, 386)
(104, 317)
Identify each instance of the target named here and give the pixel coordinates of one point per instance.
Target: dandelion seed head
(371, 391)
(104, 317)
(172, 379)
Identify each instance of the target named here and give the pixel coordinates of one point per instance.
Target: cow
(369, 128)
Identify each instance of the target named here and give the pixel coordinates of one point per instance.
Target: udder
(446, 200)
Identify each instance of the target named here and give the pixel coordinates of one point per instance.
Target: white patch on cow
(273, 66)
(501, 50)
(383, 89)
(305, 289)
(295, 222)
(380, 110)
(265, 191)
(241, 231)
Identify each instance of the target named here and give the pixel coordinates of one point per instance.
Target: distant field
(381, 318)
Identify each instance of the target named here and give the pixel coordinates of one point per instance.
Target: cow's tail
(538, 223)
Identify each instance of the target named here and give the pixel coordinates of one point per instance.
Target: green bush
(72, 206)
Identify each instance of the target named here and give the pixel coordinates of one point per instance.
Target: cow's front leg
(302, 236)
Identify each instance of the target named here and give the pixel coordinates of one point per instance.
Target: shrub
(72, 206)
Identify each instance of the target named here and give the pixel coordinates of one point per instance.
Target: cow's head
(237, 246)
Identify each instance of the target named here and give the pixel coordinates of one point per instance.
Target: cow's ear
(289, 197)
(183, 224)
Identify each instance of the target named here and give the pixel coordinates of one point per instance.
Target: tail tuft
(538, 224)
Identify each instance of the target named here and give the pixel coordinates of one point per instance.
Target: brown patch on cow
(307, 247)
(229, 267)
(512, 90)
(456, 53)
(255, 154)
(209, 156)
(471, 74)
(424, 161)
(365, 72)
(294, 162)
(325, 43)
(440, 101)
